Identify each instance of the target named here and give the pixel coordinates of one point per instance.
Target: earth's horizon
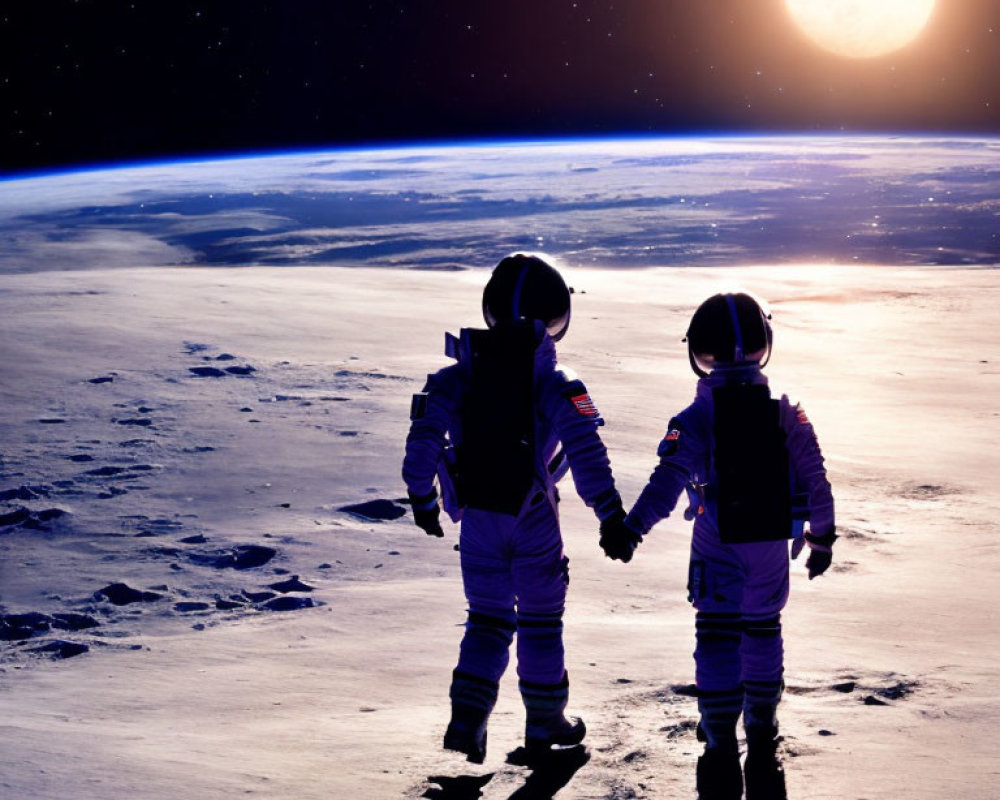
(619, 202)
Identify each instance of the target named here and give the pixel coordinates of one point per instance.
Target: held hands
(820, 552)
(618, 540)
(426, 512)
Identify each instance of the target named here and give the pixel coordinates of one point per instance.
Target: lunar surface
(211, 586)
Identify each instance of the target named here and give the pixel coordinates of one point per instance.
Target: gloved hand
(820, 552)
(618, 540)
(426, 512)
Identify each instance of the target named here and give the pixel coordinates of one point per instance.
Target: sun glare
(861, 28)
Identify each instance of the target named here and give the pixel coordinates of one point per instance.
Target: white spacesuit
(496, 431)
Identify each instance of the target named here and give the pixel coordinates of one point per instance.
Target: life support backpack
(753, 491)
(495, 456)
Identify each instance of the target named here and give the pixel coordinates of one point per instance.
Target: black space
(84, 81)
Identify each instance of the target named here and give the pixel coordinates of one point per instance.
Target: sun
(861, 28)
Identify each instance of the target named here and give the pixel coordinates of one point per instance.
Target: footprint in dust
(926, 491)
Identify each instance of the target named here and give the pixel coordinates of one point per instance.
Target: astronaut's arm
(576, 421)
(806, 460)
(430, 415)
(670, 477)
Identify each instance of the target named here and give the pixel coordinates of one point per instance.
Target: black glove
(618, 540)
(426, 512)
(820, 552)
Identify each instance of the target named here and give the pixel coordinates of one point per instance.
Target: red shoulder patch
(801, 416)
(584, 405)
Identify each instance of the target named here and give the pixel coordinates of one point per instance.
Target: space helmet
(728, 329)
(527, 286)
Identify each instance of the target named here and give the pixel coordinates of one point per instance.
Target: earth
(909, 200)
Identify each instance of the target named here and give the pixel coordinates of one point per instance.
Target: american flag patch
(669, 444)
(801, 416)
(584, 405)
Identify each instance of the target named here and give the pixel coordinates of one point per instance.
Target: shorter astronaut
(753, 474)
(495, 432)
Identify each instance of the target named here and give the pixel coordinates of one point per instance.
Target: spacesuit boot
(719, 776)
(472, 700)
(765, 778)
(546, 725)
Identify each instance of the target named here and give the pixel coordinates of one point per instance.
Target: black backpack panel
(751, 466)
(496, 456)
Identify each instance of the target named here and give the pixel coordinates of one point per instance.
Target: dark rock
(244, 556)
(14, 627)
(15, 517)
(121, 594)
(23, 493)
(196, 539)
(288, 603)
(80, 457)
(897, 691)
(375, 510)
(207, 372)
(189, 606)
(847, 687)
(51, 421)
(240, 370)
(140, 422)
(258, 597)
(68, 621)
(101, 379)
(293, 584)
(227, 605)
(61, 649)
(871, 700)
(105, 472)
(248, 556)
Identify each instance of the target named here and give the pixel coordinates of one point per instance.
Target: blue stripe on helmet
(731, 302)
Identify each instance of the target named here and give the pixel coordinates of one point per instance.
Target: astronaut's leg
(714, 588)
(762, 658)
(489, 631)
(541, 576)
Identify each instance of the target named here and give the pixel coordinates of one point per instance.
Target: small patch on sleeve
(800, 415)
(670, 443)
(584, 405)
(418, 406)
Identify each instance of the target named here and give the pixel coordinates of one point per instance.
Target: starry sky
(90, 81)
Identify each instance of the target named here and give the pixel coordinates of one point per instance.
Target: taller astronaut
(496, 431)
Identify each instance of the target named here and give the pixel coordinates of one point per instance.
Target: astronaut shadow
(461, 787)
(769, 784)
(549, 775)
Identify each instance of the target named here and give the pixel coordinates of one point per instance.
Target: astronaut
(496, 431)
(753, 472)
